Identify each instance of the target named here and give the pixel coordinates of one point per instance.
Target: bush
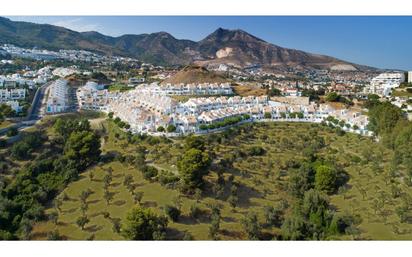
(167, 178)
(143, 224)
(326, 178)
(332, 97)
(195, 211)
(12, 132)
(3, 143)
(256, 151)
(203, 127)
(171, 128)
(20, 150)
(149, 172)
(172, 212)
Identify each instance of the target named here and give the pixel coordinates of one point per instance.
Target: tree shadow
(234, 235)
(149, 204)
(117, 184)
(245, 193)
(174, 234)
(70, 210)
(93, 201)
(228, 219)
(119, 202)
(93, 228)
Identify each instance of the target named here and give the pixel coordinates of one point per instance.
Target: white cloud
(77, 24)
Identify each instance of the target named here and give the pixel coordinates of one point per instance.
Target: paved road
(34, 112)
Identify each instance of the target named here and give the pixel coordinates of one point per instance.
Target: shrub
(167, 178)
(149, 172)
(12, 132)
(326, 178)
(256, 151)
(172, 212)
(171, 128)
(143, 224)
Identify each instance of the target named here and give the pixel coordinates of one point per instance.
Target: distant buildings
(57, 98)
(64, 72)
(11, 93)
(136, 81)
(409, 76)
(384, 83)
(188, 89)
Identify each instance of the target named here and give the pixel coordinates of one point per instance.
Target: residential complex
(149, 107)
(409, 76)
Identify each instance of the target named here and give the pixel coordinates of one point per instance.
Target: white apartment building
(384, 83)
(57, 99)
(409, 76)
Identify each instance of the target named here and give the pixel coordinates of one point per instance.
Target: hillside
(195, 74)
(262, 180)
(235, 47)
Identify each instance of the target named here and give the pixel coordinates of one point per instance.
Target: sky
(378, 41)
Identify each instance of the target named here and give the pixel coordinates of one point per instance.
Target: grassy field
(249, 89)
(401, 92)
(262, 182)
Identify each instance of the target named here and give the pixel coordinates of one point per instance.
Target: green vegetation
(6, 111)
(335, 97)
(29, 188)
(273, 92)
(143, 224)
(225, 122)
(171, 128)
(119, 87)
(264, 181)
(12, 132)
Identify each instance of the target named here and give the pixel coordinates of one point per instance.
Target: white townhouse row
(159, 104)
(384, 83)
(198, 105)
(12, 94)
(189, 89)
(57, 97)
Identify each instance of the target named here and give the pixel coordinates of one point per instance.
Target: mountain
(242, 49)
(235, 47)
